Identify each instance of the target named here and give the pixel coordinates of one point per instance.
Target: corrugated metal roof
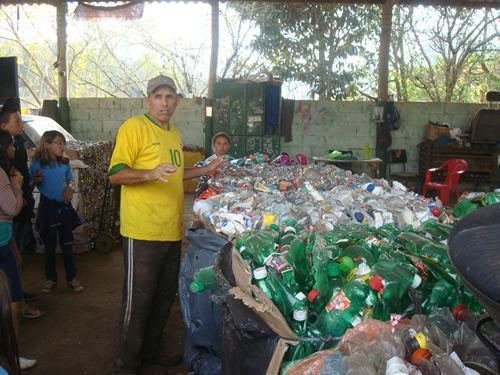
(451, 3)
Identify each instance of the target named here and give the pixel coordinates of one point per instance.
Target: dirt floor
(79, 333)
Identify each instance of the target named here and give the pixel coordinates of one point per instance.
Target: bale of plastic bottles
(325, 284)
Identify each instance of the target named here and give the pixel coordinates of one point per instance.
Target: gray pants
(149, 289)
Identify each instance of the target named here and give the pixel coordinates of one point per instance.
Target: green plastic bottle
(203, 280)
(424, 247)
(281, 295)
(259, 246)
(438, 231)
(344, 310)
(443, 294)
(334, 277)
(298, 259)
(286, 241)
(299, 326)
(392, 281)
(278, 263)
(260, 276)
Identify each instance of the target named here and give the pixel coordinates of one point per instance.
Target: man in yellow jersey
(148, 162)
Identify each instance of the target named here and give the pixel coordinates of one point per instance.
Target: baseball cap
(160, 80)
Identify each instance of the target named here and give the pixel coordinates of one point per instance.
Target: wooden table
(373, 164)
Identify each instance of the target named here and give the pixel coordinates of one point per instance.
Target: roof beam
(448, 3)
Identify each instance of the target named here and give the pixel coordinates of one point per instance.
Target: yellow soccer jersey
(150, 211)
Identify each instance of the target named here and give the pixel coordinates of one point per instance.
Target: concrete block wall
(317, 125)
(99, 118)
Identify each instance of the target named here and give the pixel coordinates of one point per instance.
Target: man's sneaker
(49, 286)
(75, 285)
(26, 363)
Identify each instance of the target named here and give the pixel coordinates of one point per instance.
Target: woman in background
(11, 202)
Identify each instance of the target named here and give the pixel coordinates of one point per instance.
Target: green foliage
(320, 45)
(445, 54)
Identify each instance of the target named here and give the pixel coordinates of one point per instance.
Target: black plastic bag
(201, 315)
(248, 342)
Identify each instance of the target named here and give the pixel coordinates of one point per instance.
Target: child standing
(56, 216)
(11, 202)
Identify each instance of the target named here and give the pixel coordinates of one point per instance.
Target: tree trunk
(383, 57)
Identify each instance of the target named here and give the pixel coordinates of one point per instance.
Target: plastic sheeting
(202, 316)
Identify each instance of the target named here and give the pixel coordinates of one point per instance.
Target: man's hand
(215, 164)
(68, 194)
(161, 171)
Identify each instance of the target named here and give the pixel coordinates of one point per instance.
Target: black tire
(104, 243)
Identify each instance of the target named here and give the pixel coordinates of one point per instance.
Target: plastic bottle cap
(196, 287)
(312, 295)
(458, 312)
(370, 187)
(346, 264)
(355, 321)
(290, 230)
(376, 283)
(268, 219)
(436, 211)
(417, 280)
(260, 273)
(333, 269)
(300, 315)
(359, 216)
(242, 249)
(300, 296)
(419, 355)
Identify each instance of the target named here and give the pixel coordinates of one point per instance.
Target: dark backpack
(391, 116)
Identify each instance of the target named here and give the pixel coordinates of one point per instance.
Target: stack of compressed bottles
(324, 284)
(429, 345)
(332, 249)
(252, 196)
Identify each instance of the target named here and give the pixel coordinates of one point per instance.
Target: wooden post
(212, 74)
(214, 51)
(62, 66)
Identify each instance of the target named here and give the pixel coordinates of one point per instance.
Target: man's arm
(193, 172)
(129, 176)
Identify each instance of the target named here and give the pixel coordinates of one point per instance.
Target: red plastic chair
(455, 167)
